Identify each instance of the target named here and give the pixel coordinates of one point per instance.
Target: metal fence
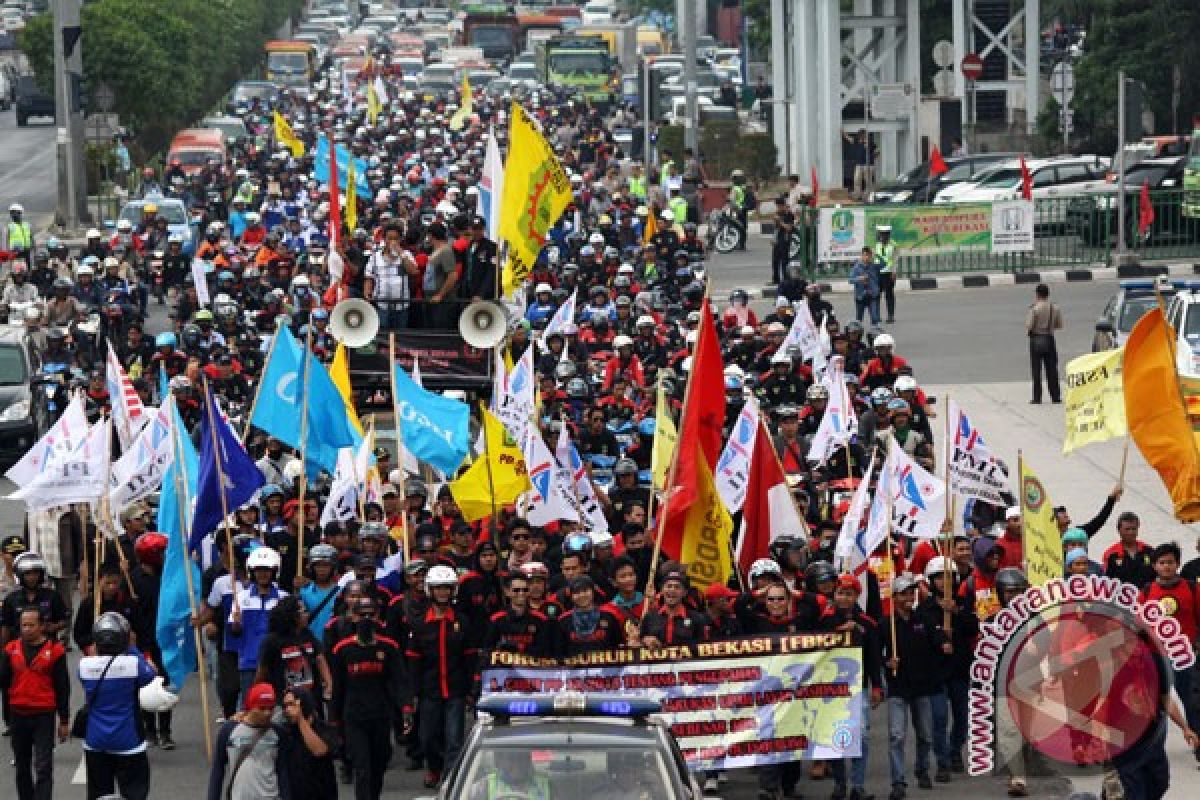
(1071, 231)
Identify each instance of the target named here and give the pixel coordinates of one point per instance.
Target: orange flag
(1155, 411)
(651, 228)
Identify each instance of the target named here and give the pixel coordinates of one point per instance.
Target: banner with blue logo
(434, 428)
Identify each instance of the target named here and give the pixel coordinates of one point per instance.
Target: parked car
(19, 423)
(32, 100)
(1093, 215)
(177, 216)
(1051, 177)
(918, 186)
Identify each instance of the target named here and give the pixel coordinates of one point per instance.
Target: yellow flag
(285, 136)
(1042, 542)
(465, 108)
(1095, 399)
(496, 478)
(651, 229)
(665, 436)
(706, 533)
(536, 192)
(373, 105)
(350, 212)
(339, 371)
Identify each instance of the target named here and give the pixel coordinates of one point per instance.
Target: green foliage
(168, 61)
(1048, 126)
(1147, 41)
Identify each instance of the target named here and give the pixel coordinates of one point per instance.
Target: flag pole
(105, 508)
(212, 432)
(308, 355)
(183, 502)
(1124, 462)
(1021, 499)
(948, 524)
(394, 363)
(258, 389)
(362, 489)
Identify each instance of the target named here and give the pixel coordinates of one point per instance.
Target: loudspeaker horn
(483, 324)
(354, 322)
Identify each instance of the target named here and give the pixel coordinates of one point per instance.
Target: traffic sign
(1062, 80)
(943, 83)
(943, 54)
(971, 66)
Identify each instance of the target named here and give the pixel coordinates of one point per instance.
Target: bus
(495, 29)
(290, 59)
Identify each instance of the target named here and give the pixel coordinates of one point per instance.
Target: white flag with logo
(732, 473)
(141, 468)
(918, 499)
(81, 476)
(129, 415)
(804, 335)
(343, 491)
(589, 503)
(200, 270)
(550, 499)
(974, 469)
(853, 542)
(515, 406)
(491, 187)
(564, 314)
(58, 442)
(838, 423)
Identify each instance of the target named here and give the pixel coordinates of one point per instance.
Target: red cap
(260, 697)
(717, 590)
(848, 581)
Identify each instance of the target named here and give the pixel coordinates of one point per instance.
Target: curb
(984, 280)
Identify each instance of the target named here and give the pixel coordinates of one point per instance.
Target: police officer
(885, 256)
(18, 235)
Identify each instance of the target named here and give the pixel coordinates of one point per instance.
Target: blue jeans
(1184, 682)
(858, 766)
(865, 304)
(939, 705)
(900, 710)
(1144, 771)
(442, 726)
(958, 689)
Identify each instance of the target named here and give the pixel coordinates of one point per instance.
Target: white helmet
(447, 209)
(668, 216)
(155, 698)
(441, 576)
(937, 565)
(764, 566)
(596, 239)
(124, 226)
(262, 558)
(904, 383)
(622, 341)
(601, 539)
(92, 233)
(84, 269)
(884, 340)
(17, 208)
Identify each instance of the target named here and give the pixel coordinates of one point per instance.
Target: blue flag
(282, 397)
(173, 628)
(434, 428)
(321, 167)
(219, 447)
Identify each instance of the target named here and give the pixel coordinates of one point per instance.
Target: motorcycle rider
(87, 290)
(18, 236)
(125, 243)
(740, 199)
(94, 246)
(19, 290)
(175, 264)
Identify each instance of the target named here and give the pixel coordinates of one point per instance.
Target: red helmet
(150, 548)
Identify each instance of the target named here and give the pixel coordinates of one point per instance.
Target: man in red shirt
(1177, 597)
(1014, 551)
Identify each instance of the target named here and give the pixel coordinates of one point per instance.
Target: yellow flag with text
(705, 546)
(339, 372)
(665, 437)
(373, 104)
(464, 106)
(285, 136)
(497, 477)
(1094, 401)
(1042, 541)
(351, 210)
(536, 192)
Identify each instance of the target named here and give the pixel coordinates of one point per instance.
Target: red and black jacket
(441, 654)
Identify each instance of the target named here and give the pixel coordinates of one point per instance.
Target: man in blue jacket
(864, 277)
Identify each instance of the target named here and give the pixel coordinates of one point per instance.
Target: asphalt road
(28, 167)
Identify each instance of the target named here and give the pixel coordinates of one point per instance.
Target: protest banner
(737, 703)
(1093, 399)
(927, 229)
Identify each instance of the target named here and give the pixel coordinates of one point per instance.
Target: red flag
(937, 164)
(1026, 181)
(816, 188)
(699, 431)
(335, 203)
(1145, 210)
(768, 511)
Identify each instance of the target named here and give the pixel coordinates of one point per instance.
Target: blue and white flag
(321, 167)
(141, 469)
(917, 499)
(732, 473)
(434, 428)
(173, 627)
(838, 423)
(550, 500)
(58, 443)
(227, 478)
(491, 187)
(975, 471)
(564, 314)
(590, 511)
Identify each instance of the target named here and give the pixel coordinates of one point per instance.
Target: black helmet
(56, 335)
(111, 634)
(625, 466)
(1011, 579)
(564, 370)
(577, 388)
(819, 571)
(62, 283)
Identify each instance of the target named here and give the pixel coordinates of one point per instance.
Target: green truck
(581, 63)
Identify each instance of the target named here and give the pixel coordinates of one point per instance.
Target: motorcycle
(50, 388)
(157, 278)
(725, 233)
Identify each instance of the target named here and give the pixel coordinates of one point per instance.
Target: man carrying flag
(227, 475)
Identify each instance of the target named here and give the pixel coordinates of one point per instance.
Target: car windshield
(1005, 178)
(583, 63)
(1191, 327)
(491, 36)
(173, 214)
(194, 158)
(12, 366)
(1154, 174)
(243, 93)
(567, 771)
(1134, 309)
(524, 72)
(285, 61)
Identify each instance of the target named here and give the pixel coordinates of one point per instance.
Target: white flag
(732, 473)
(491, 187)
(974, 470)
(549, 501)
(129, 415)
(368, 479)
(59, 442)
(838, 423)
(381, 92)
(589, 504)
(564, 314)
(200, 269)
(515, 405)
(918, 499)
(78, 477)
(853, 545)
(141, 468)
(343, 491)
(804, 334)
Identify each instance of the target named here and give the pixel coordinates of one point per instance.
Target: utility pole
(1121, 257)
(68, 114)
(687, 30)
